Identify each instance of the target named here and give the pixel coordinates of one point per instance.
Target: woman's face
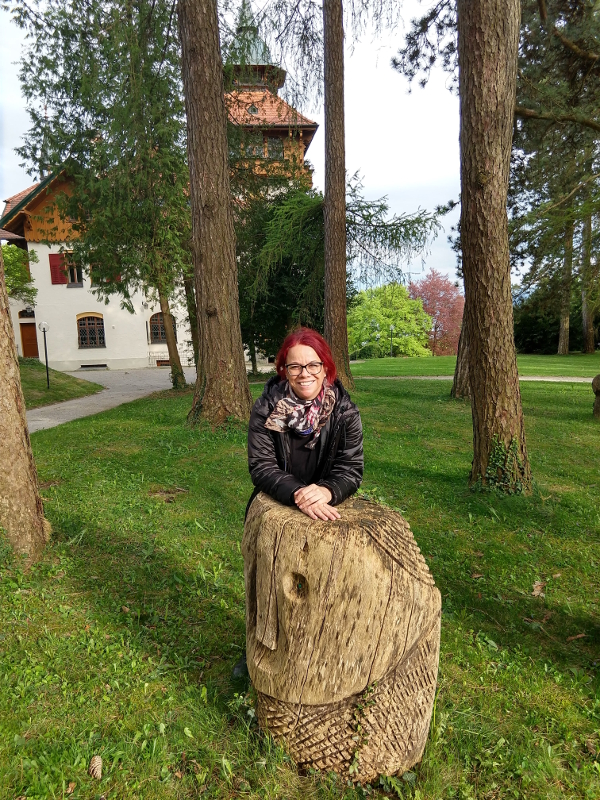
(304, 386)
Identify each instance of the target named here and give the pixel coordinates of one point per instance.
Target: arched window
(157, 329)
(90, 330)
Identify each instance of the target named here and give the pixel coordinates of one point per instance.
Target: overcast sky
(404, 145)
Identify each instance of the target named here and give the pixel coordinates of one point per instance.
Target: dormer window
(252, 109)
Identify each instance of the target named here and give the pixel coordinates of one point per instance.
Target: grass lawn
(62, 387)
(121, 641)
(574, 365)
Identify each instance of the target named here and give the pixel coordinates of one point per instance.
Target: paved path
(548, 378)
(122, 386)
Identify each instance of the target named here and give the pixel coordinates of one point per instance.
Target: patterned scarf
(302, 416)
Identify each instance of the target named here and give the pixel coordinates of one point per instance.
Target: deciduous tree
(386, 321)
(19, 284)
(444, 303)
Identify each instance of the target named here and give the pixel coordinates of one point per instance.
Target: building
(85, 331)
(275, 131)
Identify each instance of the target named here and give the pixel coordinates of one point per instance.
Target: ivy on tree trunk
(488, 36)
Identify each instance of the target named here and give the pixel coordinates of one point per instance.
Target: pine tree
(21, 510)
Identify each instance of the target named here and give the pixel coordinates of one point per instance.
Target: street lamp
(391, 348)
(44, 327)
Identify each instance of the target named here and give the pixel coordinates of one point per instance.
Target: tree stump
(596, 389)
(343, 636)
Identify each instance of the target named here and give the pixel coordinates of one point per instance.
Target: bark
(177, 376)
(190, 302)
(222, 384)
(461, 388)
(587, 309)
(565, 293)
(334, 207)
(21, 510)
(488, 35)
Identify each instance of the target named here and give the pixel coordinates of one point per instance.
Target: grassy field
(121, 641)
(62, 387)
(574, 365)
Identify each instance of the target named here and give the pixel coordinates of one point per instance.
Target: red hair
(308, 338)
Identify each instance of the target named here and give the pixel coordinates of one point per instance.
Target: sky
(403, 144)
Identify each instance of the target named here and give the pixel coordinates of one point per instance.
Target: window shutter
(57, 268)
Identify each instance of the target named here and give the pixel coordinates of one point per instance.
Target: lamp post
(44, 327)
(391, 347)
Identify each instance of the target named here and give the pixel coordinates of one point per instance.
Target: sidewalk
(122, 386)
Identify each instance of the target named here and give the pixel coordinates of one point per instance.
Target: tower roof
(250, 56)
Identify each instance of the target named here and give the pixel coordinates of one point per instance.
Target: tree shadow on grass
(460, 523)
(191, 619)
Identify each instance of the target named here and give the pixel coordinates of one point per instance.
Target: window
(57, 268)
(157, 329)
(61, 271)
(275, 148)
(75, 276)
(90, 331)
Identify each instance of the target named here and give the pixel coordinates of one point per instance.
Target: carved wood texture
(343, 634)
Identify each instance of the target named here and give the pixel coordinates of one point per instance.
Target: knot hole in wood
(295, 587)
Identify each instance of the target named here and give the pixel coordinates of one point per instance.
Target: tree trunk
(190, 302)
(177, 376)
(222, 385)
(21, 510)
(461, 388)
(587, 309)
(488, 36)
(252, 350)
(565, 293)
(334, 207)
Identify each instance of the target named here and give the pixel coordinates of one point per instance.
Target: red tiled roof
(8, 236)
(271, 110)
(12, 202)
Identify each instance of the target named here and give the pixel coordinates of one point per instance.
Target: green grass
(574, 365)
(62, 386)
(121, 641)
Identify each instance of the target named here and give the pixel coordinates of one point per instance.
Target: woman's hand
(314, 500)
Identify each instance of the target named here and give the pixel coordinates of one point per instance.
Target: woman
(305, 444)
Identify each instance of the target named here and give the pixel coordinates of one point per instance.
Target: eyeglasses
(296, 369)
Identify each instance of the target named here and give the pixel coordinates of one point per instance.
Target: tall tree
(336, 331)
(103, 90)
(590, 289)
(488, 37)
(222, 384)
(566, 286)
(21, 510)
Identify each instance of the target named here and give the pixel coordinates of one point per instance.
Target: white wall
(127, 343)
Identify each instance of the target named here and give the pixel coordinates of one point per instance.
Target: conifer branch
(530, 113)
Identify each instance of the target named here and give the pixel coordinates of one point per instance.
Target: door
(29, 340)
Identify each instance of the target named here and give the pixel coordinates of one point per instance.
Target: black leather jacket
(340, 464)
